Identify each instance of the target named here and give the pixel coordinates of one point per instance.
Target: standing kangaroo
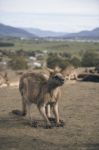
(4, 79)
(35, 88)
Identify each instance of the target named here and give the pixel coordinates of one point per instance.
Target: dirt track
(79, 107)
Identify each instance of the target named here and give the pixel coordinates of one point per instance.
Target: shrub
(6, 44)
(66, 54)
(90, 58)
(18, 62)
(53, 61)
(75, 61)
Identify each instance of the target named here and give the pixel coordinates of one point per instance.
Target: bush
(53, 61)
(66, 54)
(18, 62)
(6, 44)
(75, 61)
(90, 59)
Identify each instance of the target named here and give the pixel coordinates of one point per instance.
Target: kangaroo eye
(56, 77)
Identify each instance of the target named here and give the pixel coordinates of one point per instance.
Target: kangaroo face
(57, 79)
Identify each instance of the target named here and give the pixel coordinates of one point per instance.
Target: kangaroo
(4, 79)
(70, 73)
(45, 93)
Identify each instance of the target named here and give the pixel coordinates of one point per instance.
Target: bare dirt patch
(79, 108)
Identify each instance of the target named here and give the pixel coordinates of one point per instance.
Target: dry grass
(79, 107)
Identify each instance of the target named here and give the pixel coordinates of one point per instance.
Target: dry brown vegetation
(79, 108)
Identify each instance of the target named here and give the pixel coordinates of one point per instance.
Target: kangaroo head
(56, 77)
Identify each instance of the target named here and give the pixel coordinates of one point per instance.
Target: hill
(93, 34)
(44, 33)
(9, 31)
(85, 35)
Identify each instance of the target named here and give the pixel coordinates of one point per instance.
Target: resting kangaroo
(35, 88)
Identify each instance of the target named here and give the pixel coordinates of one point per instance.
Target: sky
(55, 15)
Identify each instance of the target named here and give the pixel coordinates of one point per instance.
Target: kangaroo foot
(34, 124)
(52, 119)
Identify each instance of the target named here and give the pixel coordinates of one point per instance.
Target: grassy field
(79, 108)
(56, 46)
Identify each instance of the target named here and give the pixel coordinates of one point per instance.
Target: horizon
(24, 28)
(51, 15)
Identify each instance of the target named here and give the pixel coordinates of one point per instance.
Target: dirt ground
(79, 108)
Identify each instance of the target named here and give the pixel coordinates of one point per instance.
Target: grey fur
(35, 88)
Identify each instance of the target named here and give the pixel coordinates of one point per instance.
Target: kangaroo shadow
(19, 121)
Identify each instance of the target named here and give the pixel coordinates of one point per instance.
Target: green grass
(51, 46)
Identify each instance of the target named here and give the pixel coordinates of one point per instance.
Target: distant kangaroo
(70, 72)
(35, 88)
(4, 79)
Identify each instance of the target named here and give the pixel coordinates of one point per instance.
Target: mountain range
(93, 34)
(9, 31)
(44, 33)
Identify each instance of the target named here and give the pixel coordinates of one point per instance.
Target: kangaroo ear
(57, 69)
(51, 71)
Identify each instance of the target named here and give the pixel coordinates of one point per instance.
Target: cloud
(51, 6)
(58, 15)
(56, 22)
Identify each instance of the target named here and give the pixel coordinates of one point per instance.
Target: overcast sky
(56, 15)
